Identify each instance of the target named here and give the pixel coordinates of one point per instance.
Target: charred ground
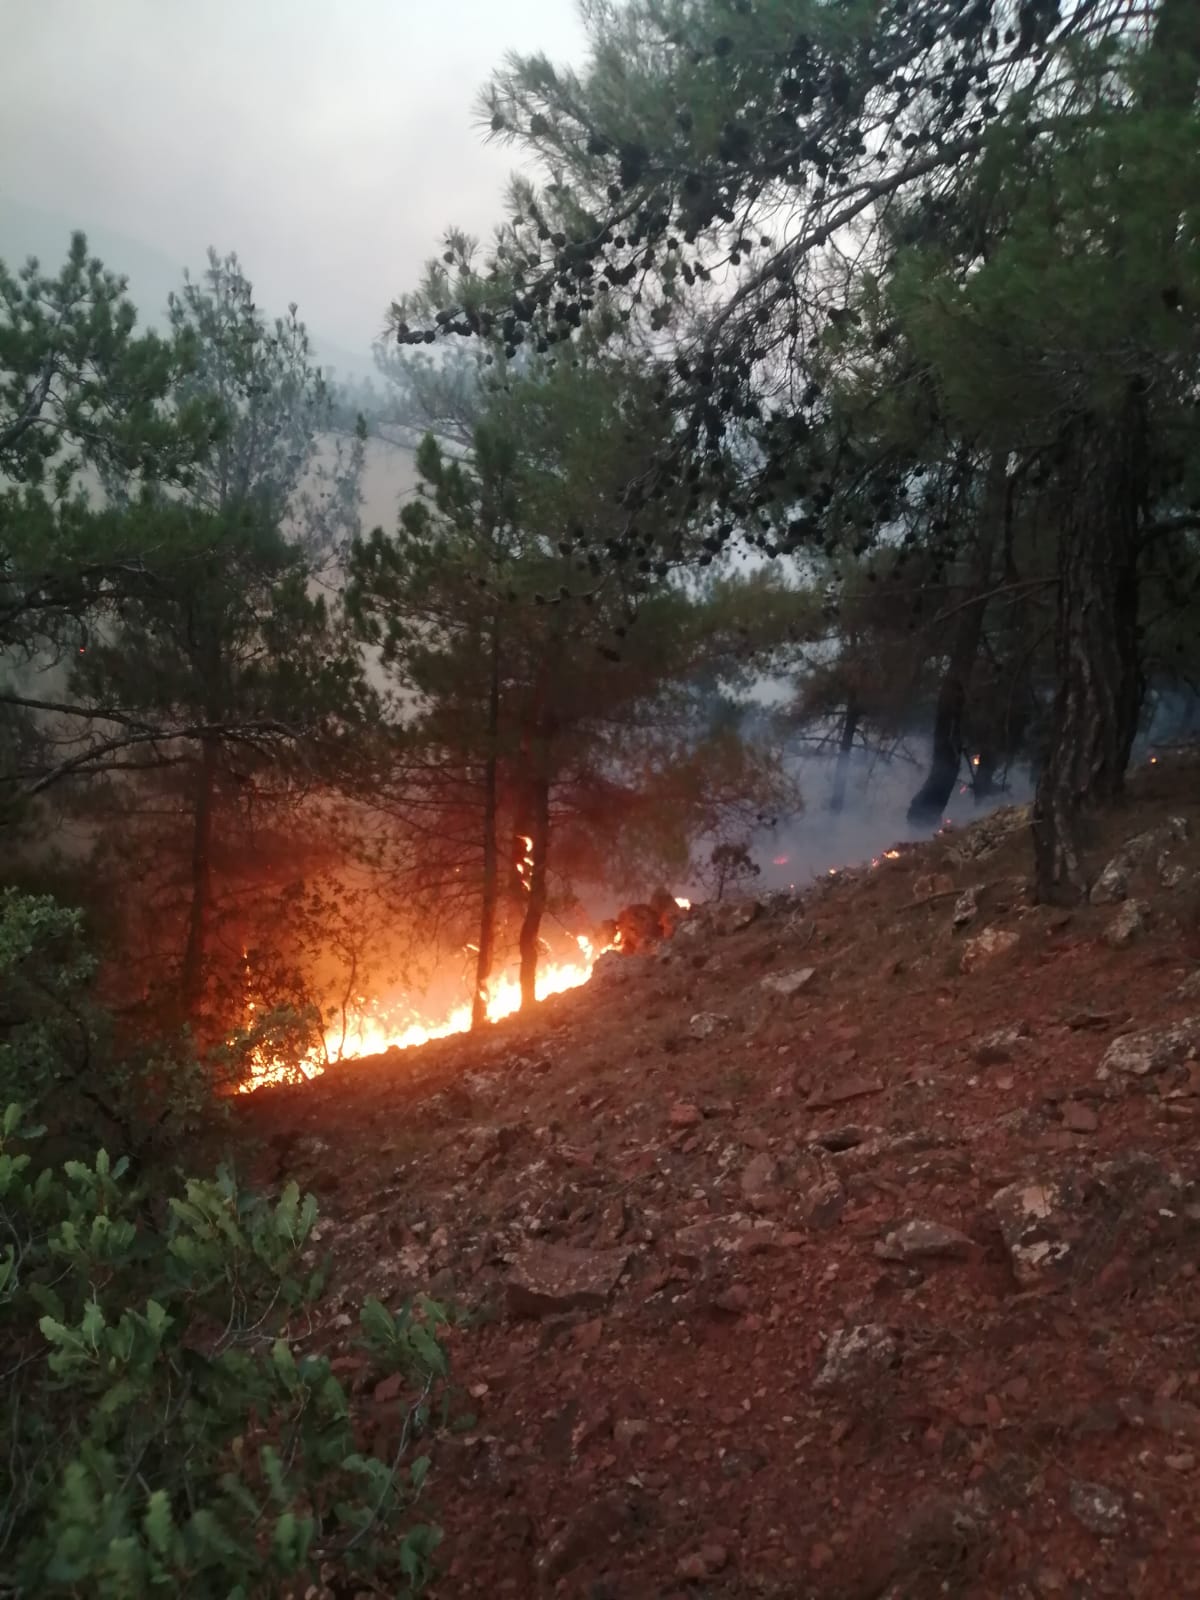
(704, 1362)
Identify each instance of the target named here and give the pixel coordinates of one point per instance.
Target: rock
(627, 1430)
(1128, 924)
(788, 983)
(1032, 1220)
(551, 1278)
(966, 907)
(760, 1179)
(734, 915)
(735, 1299)
(919, 1240)
(1182, 1461)
(850, 1086)
(1171, 874)
(1113, 883)
(1001, 1045)
(856, 1356)
(591, 1531)
(721, 1236)
(987, 947)
(819, 1197)
(703, 1563)
(1175, 1418)
(685, 1115)
(1100, 1509)
(1189, 989)
(1079, 1118)
(1151, 1051)
(707, 1024)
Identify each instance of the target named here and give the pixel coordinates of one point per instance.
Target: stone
(966, 907)
(628, 1430)
(1152, 1050)
(550, 1278)
(735, 1300)
(707, 1024)
(1001, 1045)
(685, 1115)
(1032, 1220)
(760, 1178)
(734, 915)
(849, 1086)
(1113, 883)
(787, 984)
(819, 1197)
(592, 1530)
(721, 1236)
(987, 947)
(919, 1240)
(1100, 1509)
(1128, 924)
(1171, 874)
(1079, 1118)
(855, 1356)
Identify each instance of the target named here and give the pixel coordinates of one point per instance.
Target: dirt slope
(714, 1360)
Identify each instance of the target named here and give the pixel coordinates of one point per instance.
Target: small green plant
(163, 1436)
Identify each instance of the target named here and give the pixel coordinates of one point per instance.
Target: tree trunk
(491, 863)
(850, 721)
(1099, 682)
(535, 905)
(204, 806)
(930, 801)
(1097, 671)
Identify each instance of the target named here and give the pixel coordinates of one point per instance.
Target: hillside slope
(879, 1281)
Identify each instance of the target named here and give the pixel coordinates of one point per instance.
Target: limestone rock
(1151, 1051)
(966, 907)
(987, 947)
(849, 1086)
(707, 1024)
(1033, 1219)
(856, 1356)
(1100, 1509)
(787, 984)
(1113, 882)
(1002, 1045)
(1127, 925)
(550, 1278)
(919, 1240)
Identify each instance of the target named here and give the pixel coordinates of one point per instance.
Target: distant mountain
(27, 230)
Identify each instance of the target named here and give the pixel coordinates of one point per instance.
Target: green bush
(162, 1436)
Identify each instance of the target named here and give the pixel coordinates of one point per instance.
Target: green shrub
(162, 1435)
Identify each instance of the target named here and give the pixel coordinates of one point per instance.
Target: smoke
(872, 817)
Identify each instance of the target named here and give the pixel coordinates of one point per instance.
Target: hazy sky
(328, 141)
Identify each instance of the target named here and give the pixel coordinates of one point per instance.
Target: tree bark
(1097, 670)
(535, 905)
(1099, 683)
(850, 721)
(491, 862)
(930, 801)
(204, 807)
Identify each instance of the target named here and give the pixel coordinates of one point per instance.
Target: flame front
(380, 1027)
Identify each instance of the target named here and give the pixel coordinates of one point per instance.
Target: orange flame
(381, 1027)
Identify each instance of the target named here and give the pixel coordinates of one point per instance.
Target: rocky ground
(844, 1247)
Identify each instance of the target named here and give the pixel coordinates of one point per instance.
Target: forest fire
(380, 1026)
(377, 1027)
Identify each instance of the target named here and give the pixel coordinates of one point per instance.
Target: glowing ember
(779, 861)
(682, 903)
